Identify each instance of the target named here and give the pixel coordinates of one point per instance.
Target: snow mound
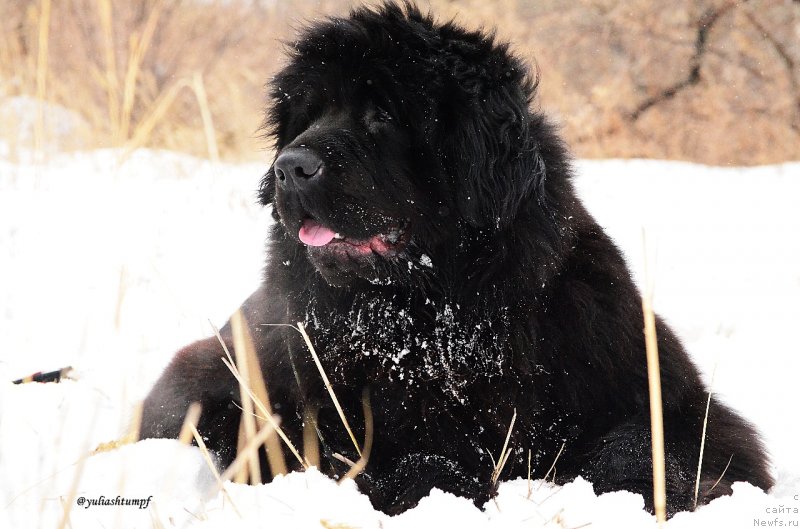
(63, 128)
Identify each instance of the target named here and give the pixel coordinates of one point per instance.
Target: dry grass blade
(200, 517)
(65, 510)
(310, 438)
(154, 115)
(131, 437)
(138, 49)
(136, 422)
(721, 475)
(328, 386)
(41, 75)
(185, 436)
(205, 113)
(189, 422)
(111, 80)
(154, 519)
(212, 467)
(530, 488)
(505, 452)
(246, 353)
(250, 450)
(347, 461)
(263, 410)
(275, 456)
(703, 436)
(248, 419)
(553, 465)
(221, 341)
(243, 476)
(361, 464)
(273, 446)
(656, 410)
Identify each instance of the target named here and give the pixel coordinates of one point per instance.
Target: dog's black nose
(297, 166)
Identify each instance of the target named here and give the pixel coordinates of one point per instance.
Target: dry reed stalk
(130, 437)
(205, 114)
(136, 422)
(137, 50)
(207, 457)
(347, 461)
(530, 488)
(157, 524)
(250, 450)
(276, 461)
(361, 464)
(703, 436)
(110, 80)
(310, 438)
(232, 368)
(200, 517)
(190, 421)
(65, 509)
(275, 457)
(41, 75)
(505, 452)
(656, 410)
(248, 420)
(243, 476)
(328, 385)
(9, 52)
(156, 112)
(724, 470)
(552, 466)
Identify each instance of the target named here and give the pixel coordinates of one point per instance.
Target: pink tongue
(315, 234)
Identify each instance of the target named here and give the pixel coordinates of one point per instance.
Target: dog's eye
(381, 116)
(377, 115)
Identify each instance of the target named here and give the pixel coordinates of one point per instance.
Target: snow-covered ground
(110, 267)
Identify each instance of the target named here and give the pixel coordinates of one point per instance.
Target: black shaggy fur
(498, 291)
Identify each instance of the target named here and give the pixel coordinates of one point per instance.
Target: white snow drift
(110, 267)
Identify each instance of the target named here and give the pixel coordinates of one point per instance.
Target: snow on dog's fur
(430, 239)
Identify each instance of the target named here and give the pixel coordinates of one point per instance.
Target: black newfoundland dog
(430, 239)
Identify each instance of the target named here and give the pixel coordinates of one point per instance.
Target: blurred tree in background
(711, 81)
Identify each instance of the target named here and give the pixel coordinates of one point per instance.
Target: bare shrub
(710, 81)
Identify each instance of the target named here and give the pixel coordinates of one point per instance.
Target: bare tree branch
(704, 26)
(786, 59)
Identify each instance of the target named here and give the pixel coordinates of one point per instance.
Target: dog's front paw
(399, 487)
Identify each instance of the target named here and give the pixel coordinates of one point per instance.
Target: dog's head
(397, 137)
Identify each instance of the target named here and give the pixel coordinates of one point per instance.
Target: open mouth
(314, 234)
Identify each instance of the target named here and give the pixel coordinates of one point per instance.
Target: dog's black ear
(266, 189)
(487, 148)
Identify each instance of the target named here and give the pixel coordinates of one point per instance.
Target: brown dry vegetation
(712, 81)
